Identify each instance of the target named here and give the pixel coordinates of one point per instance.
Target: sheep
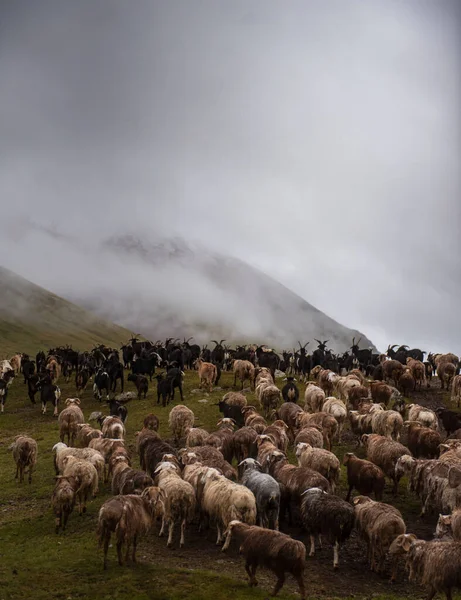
(106, 446)
(381, 392)
(231, 406)
(126, 480)
(425, 416)
(152, 452)
(196, 437)
(128, 517)
(451, 420)
(86, 477)
(357, 394)
(112, 428)
(272, 549)
(385, 453)
(328, 380)
(379, 524)
(210, 457)
(269, 398)
(25, 452)
(141, 384)
(422, 442)
(366, 477)
(254, 419)
(436, 565)
(69, 418)
(63, 500)
(293, 480)
(245, 443)
(223, 438)
(393, 369)
(277, 431)
(287, 413)
(337, 409)
(54, 369)
(418, 370)
(449, 526)
(314, 397)
(360, 423)
(15, 362)
(266, 491)
(310, 435)
(328, 515)
(207, 374)
(397, 550)
(456, 390)
(320, 460)
(388, 423)
(179, 500)
(90, 454)
(225, 501)
(266, 446)
(327, 422)
(151, 421)
(345, 385)
(86, 433)
(243, 370)
(446, 372)
(180, 420)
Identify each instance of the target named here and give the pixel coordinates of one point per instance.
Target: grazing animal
(25, 451)
(141, 383)
(101, 384)
(69, 419)
(63, 500)
(271, 549)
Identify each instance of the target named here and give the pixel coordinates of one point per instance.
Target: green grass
(37, 563)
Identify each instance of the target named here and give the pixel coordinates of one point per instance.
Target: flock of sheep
(239, 477)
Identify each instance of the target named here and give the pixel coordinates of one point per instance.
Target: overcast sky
(317, 139)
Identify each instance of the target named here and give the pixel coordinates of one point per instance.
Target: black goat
(49, 393)
(231, 412)
(33, 386)
(28, 369)
(290, 391)
(450, 419)
(117, 409)
(163, 389)
(115, 370)
(101, 383)
(3, 393)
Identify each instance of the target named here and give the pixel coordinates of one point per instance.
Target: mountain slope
(32, 318)
(182, 289)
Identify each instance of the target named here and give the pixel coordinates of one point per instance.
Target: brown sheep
(86, 433)
(86, 477)
(406, 382)
(63, 500)
(392, 369)
(357, 394)
(446, 372)
(385, 453)
(272, 549)
(381, 392)
(243, 370)
(207, 374)
(25, 451)
(69, 419)
(180, 420)
(327, 422)
(128, 517)
(366, 477)
(310, 435)
(422, 442)
(418, 370)
(151, 422)
(245, 443)
(379, 524)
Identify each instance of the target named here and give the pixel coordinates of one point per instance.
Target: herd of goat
(239, 477)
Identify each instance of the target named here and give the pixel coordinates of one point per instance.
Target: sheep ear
(258, 463)
(406, 544)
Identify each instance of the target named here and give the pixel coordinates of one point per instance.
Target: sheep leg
(170, 533)
(300, 581)
(57, 524)
(106, 548)
(320, 541)
(219, 539)
(119, 553)
(279, 584)
(251, 570)
(17, 471)
(312, 550)
(336, 555)
(348, 497)
(133, 555)
(183, 529)
(447, 594)
(162, 528)
(30, 474)
(226, 542)
(127, 553)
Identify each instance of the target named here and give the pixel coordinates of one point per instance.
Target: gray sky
(318, 140)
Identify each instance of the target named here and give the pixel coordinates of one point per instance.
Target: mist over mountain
(184, 289)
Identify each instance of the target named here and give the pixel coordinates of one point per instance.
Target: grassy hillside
(69, 565)
(32, 318)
